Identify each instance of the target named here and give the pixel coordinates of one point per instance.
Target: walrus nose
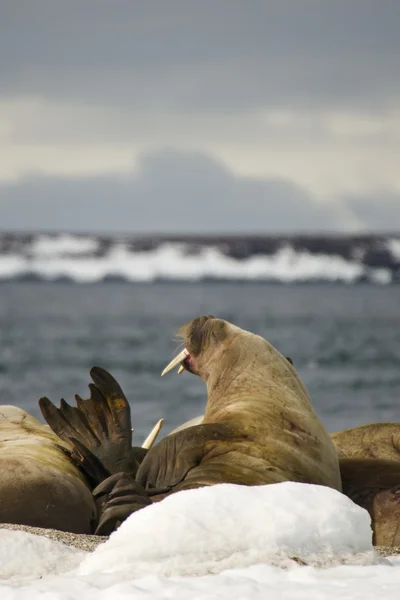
(176, 361)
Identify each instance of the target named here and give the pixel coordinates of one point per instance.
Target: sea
(68, 302)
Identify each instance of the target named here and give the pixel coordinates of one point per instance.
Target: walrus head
(238, 367)
(254, 391)
(205, 339)
(220, 352)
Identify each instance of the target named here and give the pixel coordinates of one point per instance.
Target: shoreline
(88, 543)
(80, 541)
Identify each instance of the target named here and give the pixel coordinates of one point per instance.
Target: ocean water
(344, 341)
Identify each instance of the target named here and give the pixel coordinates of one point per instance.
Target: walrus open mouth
(184, 360)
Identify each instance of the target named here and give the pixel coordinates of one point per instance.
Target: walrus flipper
(101, 424)
(116, 498)
(175, 463)
(182, 460)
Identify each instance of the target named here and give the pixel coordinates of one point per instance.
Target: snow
(23, 554)
(225, 542)
(234, 537)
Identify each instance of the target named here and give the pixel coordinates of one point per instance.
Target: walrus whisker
(176, 361)
(151, 438)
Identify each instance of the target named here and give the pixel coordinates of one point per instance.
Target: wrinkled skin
(259, 426)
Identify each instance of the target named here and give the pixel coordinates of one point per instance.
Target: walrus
(47, 477)
(39, 483)
(369, 458)
(259, 426)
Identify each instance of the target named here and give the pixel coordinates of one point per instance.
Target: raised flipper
(98, 427)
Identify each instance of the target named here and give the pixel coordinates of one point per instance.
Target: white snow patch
(23, 554)
(235, 536)
(211, 529)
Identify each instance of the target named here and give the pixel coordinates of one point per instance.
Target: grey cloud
(172, 192)
(211, 56)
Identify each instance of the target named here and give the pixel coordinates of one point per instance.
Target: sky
(211, 116)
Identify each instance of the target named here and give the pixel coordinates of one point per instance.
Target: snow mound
(211, 529)
(23, 554)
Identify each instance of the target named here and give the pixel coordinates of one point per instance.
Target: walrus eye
(176, 361)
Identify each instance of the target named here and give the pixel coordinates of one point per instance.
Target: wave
(90, 259)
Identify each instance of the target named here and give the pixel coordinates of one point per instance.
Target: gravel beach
(77, 540)
(89, 542)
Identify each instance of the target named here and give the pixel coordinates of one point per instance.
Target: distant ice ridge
(225, 541)
(63, 244)
(84, 260)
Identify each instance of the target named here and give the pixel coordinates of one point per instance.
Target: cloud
(297, 102)
(213, 57)
(170, 192)
(330, 153)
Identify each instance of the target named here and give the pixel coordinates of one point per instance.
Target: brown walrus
(259, 426)
(372, 441)
(369, 460)
(39, 483)
(370, 469)
(47, 477)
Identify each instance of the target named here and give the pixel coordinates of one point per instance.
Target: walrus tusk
(151, 438)
(176, 361)
(181, 369)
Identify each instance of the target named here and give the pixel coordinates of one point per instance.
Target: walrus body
(373, 441)
(369, 458)
(39, 483)
(259, 426)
